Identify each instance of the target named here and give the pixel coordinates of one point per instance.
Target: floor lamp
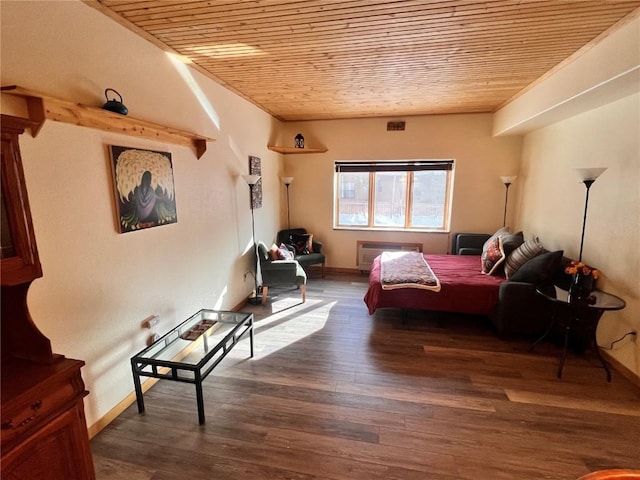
(507, 180)
(251, 181)
(287, 181)
(588, 176)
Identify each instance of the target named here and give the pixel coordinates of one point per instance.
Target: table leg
(251, 337)
(547, 331)
(138, 387)
(199, 399)
(565, 348)
(605, 365)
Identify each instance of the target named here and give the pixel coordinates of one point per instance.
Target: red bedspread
(464, 288)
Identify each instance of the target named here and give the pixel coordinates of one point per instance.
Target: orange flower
(576, 267)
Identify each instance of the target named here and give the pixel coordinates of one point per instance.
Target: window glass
(353, 199)
(390, 199)
(429, 195)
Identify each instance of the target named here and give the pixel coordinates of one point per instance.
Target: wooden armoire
(42, 422)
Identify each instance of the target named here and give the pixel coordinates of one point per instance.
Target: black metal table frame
(172, 369)
(574, 321)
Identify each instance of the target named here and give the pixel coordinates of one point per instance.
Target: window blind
(391, 166)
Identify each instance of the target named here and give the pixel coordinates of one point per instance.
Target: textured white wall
(553, 205)
(99, 285)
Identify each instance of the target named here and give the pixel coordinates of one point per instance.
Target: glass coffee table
(190, 351)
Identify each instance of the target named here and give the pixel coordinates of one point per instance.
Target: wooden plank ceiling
(326, 59)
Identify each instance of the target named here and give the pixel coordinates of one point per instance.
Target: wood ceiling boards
(325, 59)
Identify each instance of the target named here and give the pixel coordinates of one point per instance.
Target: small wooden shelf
(42, 107)
(288, 150)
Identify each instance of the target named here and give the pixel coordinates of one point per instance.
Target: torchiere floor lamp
(507, 180)
(251, 181)
(588, 176)
(287, 181)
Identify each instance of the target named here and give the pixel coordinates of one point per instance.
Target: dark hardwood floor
(333, 393)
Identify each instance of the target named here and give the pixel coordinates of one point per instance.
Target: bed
(463, 288)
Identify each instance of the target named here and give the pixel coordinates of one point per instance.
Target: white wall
(553, 200)
(478, 195)
(99, 285)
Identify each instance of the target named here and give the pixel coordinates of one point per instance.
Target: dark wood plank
(333, 393)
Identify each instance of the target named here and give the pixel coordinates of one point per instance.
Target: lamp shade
(590, 173)
(287, 180)
(507, 180)
(251, 179)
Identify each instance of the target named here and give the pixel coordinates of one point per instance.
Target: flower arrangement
(581, 268)
(583, 283)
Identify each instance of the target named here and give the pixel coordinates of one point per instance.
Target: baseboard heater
(368, 250)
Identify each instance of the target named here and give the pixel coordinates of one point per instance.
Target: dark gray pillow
(511, 242)
(540, 269)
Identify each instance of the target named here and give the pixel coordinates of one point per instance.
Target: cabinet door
(59, 451)
(20, 262)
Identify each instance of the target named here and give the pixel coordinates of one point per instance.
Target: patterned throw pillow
(503, 232)
(284, 253)
(492, 257)
(522, 255)
(301, 243)
(273, 252)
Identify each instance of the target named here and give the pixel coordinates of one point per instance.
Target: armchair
(280, 272)
(313, 257)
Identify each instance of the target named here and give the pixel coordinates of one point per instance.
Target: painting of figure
(255, 168)
(143, 182)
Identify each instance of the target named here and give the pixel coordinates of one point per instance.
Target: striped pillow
(521, 255)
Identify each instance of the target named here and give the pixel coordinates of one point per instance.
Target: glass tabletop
(598, 299)
(201, 332)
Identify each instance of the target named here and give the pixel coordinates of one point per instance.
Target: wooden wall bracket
(43, 107)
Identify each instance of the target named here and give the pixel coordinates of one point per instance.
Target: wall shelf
(42, 107)
(288, 150)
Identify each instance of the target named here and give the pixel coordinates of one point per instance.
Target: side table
(583, 315)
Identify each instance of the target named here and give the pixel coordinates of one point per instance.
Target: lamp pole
(588, 176)
(287, 181)
(255, 299)
(251, 181)
(506, 199)
(507, 180)
(587, 183)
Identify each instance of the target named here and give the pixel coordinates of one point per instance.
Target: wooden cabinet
(20, 261)
(43, 430)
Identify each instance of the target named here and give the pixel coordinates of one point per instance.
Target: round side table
(581, 315)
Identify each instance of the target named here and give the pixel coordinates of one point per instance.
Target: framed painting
(255, 168)
(144, 188)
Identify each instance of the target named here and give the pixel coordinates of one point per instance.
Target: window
(400, 195)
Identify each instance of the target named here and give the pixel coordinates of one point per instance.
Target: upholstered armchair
(280, 272)
(307, 251)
